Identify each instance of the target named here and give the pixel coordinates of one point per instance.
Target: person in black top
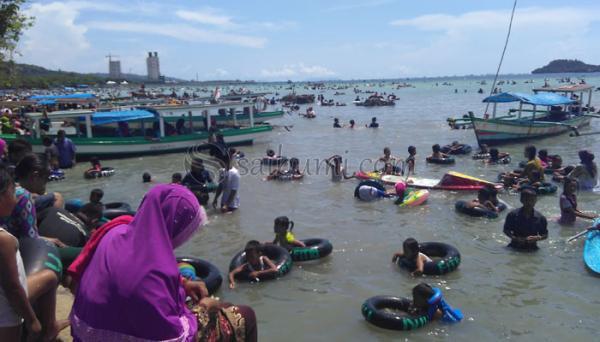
(336, 123)
(525, 226)
(197, 178)
(374, 123)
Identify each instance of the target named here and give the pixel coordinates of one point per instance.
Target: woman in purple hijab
(131, 288)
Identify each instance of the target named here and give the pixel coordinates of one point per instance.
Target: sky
(275, 40)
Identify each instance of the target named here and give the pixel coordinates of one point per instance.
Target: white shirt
(8, 316)
(231, 182)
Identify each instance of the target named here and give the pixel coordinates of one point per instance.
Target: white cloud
(55, 39)
(297, 71)
(206, 16)
(471, 42)
(181, 32)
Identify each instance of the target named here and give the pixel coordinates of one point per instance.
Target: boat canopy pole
(252, 116)
(520, 109)
(38, 133)
(161, 125)
(88, 125)
(494, 110)
(191, 122)
(232, 112)
(589, 98)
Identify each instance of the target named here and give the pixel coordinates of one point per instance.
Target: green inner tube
(315, 249)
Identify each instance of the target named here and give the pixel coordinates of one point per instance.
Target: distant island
(566, 66)
(16, 75)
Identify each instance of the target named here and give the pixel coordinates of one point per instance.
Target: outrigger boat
(562, 114)
(93, 135)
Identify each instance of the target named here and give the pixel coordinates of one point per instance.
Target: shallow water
(547, 295)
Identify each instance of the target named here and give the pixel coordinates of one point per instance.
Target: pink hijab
(130, 290)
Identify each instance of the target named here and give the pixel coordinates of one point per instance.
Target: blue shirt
(66, 153)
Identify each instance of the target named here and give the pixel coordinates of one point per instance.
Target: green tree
(12, 24)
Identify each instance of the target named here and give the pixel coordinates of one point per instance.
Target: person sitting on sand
(148, 288)
(437, 153)
(20, 293)
(32, 174)
(283, 234)
(336, 123)
(410, 161)
(256, 264)
(525, 226)
(568, 204)
(338, 172)
(411, 255)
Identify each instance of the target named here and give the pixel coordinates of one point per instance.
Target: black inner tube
(279, 255)
(368, 182)
(39, 254)
(446, 258)
(209, 273)
(391, 312)
(315, 249)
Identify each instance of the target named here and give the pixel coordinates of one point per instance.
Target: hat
(400, 187)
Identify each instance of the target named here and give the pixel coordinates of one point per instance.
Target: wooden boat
(562, 115)
(93, 137)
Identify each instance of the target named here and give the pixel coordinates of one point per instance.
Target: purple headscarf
(2, 147)
(131, 289)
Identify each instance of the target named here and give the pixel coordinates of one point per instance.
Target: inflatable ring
(442, 161)
(415, 198)
(279, 255)
(204, 188)
(273, 161)
(372, 183)
(39, 254)
(503, 160)
(463, 207)
(116, 209)
(315, 249)
(56, 175)
(374, 311)
(449, 258)
(546, 189)
(73, 205)
(104, 172)
(206, 271)
(464, 149)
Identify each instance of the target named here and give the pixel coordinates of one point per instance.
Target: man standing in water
(229, 184)
(66, 150)
(525, 226)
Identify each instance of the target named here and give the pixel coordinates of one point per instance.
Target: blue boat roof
(540, 99)
(103, 118)
(63, 97)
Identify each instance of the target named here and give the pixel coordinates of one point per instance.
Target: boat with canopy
(559, 113)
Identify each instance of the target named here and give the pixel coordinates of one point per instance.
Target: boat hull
(113, 147)
(495, 132)
(591, 251)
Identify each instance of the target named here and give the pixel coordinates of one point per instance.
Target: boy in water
(525, 226)
(256, 264)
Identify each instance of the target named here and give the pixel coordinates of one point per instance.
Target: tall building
(114, 69)
(153, 66)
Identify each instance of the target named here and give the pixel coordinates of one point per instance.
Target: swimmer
(146, 177)
(410, 161)
(483, 201)
(410, 252)
(256, 264)
(176, 178)
(336, 123)
(283, 233)
(338, 172)
(437, 154)
(352, 123)
(95, 169)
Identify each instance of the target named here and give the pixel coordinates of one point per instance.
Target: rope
(487, 104)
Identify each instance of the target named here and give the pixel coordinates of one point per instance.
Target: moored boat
(562, 114)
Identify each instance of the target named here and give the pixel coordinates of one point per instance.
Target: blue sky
(310, 39)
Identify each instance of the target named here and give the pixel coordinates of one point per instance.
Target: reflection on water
(546, 295)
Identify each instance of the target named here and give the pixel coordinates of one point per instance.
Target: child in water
(568, 204)
(256, 264)
(430, 301)
(96, 167)
(484, 200)
(437, 153)
(410, 161)
(146, 177)
(176, 178)
(411, 254)
(338, 172)
(283, 234)
(336, 123)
